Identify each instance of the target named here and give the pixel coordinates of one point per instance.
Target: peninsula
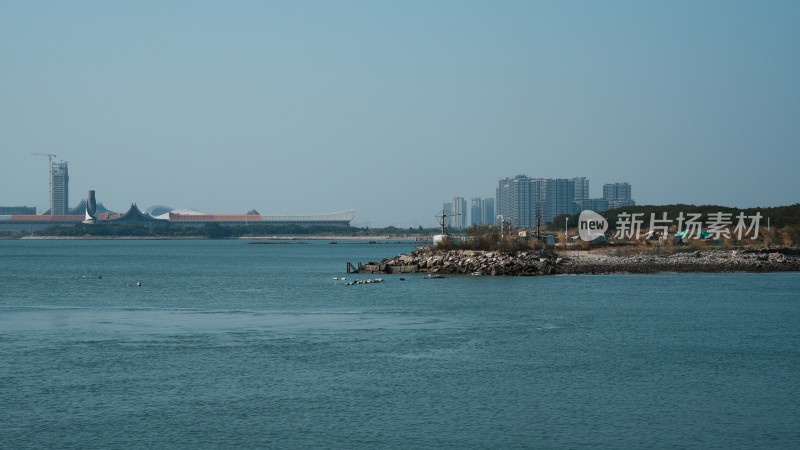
(601, 261)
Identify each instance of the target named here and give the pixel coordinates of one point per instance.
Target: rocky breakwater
(697, 261)
(546, 262)
(475, 262)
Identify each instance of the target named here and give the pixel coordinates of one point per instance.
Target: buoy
(139, 283)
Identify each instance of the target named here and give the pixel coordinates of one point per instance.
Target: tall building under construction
(59, 189)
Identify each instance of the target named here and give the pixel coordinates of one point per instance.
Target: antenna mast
(440, 218)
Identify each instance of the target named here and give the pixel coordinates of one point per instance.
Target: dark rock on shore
(547, 262)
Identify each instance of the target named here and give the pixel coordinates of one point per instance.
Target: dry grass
(784, 237)
(491, 241)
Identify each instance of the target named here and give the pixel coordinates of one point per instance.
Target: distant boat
(433, 275)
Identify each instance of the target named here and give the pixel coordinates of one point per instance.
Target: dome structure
(158, 210)
(162, 212)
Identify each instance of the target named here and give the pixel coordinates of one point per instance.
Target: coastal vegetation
(210, 231)
(779, 226)
(218, 231)
(778, 216)
(489, 238)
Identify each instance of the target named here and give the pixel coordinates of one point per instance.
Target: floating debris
(369, 281)
(87, 277)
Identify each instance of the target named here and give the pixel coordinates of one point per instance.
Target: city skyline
(614, 195)
(521, 198)
(527, 201)
(314, 107)
(524, 204)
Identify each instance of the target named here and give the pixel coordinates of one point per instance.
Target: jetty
(548, 262)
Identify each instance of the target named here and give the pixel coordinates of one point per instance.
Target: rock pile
(709, 261)
(546, 262)
(540, 262)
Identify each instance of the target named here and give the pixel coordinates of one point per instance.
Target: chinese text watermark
(592, 225)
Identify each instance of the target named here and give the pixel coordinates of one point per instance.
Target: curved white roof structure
(193, 216)
(157, 210)
(162, 212)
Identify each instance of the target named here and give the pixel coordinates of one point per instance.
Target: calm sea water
(228, 344)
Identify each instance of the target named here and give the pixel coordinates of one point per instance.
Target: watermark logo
(591, 225)
(688, 226)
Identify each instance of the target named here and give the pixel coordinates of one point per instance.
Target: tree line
(216, 230)
(778, 216)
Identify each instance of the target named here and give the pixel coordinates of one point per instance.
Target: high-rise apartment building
(521, 198)
(617, 191)
(459, 213)
(487, 208)
(558, 197)
(59, 189)
(513, 199)
(618, 195)
(581, 188)
(476, 211)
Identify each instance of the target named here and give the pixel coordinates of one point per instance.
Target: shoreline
(410, 239)
(547, 262)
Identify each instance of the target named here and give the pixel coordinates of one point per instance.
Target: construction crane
(50, 157)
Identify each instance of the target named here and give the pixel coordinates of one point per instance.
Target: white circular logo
(591, 225)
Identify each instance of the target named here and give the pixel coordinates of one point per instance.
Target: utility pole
(538, 225)
(502, 219)
(50, 157)
(441, 219)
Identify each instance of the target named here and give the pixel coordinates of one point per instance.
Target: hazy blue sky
(391, 108)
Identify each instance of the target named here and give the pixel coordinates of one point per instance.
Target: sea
(125, 344)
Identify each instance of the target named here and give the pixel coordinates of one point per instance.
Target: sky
(392, 108)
